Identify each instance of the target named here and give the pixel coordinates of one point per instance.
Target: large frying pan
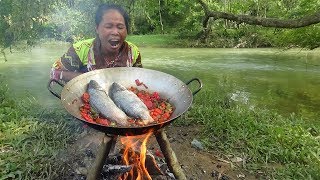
(168, 86)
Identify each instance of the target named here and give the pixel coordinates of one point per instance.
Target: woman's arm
(63, 75)
(67, 67)
(67, 75)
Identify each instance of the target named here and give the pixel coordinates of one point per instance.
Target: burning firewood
(116, 169)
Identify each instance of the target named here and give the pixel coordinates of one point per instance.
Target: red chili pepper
(163, 105)
(103, 121)
(166, 115)
(138, 83)
(86, 116)
(157, 110)
(156, 95)
(131, 121)
(86, 106)
(85, 97)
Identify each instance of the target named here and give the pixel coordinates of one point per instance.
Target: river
(286, 81)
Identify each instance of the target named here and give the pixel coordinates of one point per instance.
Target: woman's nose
(114, 31)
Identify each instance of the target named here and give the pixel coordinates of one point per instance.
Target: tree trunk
(160, 16)
(4, 55)
(132, 16)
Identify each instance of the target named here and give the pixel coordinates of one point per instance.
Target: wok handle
(200, 85)
(50, 83)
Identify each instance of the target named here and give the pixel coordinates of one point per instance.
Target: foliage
(30, 138)
(269, 37)
(22, 20)
(307, 37)
(70, 20)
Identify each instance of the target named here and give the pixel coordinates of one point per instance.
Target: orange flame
(135, 155)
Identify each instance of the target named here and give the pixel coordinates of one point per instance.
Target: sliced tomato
(149, 104)
(85, 97)
(156, 96)
(86, 116)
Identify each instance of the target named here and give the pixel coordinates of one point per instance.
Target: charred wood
(107, 144)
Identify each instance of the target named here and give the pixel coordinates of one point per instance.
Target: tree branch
(268, 22)
(265, 22)
(4, 55)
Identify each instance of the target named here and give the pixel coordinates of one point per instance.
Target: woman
(108, 49)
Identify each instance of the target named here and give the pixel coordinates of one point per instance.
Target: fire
(135, 155)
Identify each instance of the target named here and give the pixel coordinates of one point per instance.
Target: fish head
(94, 85)
(116, 87)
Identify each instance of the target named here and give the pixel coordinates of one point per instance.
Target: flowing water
(287, 81)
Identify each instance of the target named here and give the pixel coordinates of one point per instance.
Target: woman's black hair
(105, 7)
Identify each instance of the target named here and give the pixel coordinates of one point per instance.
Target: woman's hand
(63, 75)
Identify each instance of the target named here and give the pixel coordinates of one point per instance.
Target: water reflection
(27, 72)
(258, 77)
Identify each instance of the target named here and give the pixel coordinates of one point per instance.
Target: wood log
(116, 169)
(169, 155)
(107, 145)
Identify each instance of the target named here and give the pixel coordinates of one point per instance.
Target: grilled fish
(129, 102)
(102, 103)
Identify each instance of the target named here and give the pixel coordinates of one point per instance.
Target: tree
(253, 19)
(21, 21)
(266, 22)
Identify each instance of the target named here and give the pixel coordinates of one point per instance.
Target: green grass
(280, 147)
(31, 138)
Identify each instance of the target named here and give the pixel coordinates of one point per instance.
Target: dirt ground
(198, 164)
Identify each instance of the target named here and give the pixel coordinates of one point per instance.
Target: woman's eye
(121, 27)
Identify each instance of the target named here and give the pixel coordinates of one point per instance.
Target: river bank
(257, 105)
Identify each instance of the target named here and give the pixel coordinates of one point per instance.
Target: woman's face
(112, 31)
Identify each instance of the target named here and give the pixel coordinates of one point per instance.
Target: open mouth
(114, 43)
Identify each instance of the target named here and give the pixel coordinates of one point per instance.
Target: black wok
(168, 86)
